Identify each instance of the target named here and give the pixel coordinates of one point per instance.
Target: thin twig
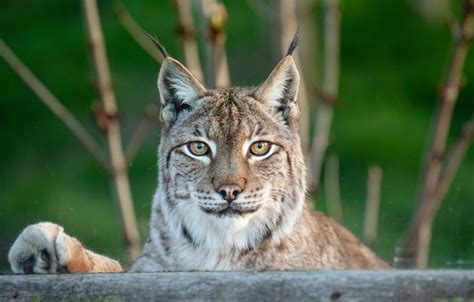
(107, 97)
(215, 14)
(454, 158)
(288, 24)
(309, 50)
(374, 183)
(136, 32)
(187, 33)
(425, 216)
(415, 248)
(149, 117)
(50, 100)
(332, 189)
(330, 87)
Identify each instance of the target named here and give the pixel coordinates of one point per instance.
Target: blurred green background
(392, 59)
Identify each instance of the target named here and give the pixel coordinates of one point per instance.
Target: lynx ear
(179, 90)
(280, 90)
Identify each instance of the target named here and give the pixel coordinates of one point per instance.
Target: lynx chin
(231, 192)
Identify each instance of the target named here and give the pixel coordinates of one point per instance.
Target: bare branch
(107, 97)
(136, 32)
(187, 33)
(215, 14)
(309, 48)
(324, 114)
(332, 189)
(415, 248)
(454, 158)
(374, 183)
(150, 116)
(61, 112)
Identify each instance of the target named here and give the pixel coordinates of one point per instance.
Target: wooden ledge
(389, 285)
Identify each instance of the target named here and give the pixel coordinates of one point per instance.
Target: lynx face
(230, 159)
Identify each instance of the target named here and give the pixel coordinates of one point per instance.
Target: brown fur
(268, 226)
(85, 261)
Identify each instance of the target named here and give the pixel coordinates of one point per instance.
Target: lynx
(231, 193)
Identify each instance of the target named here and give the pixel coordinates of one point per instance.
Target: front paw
(39, 249)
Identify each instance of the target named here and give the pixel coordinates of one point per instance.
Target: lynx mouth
(229, 211)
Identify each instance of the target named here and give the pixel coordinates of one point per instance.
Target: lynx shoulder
(231, 185)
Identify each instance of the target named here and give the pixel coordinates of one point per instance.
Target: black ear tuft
(160, 46)
(295, 41)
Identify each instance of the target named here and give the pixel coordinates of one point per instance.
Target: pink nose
(229, 192)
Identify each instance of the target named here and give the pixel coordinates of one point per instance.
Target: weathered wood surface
(394, 285)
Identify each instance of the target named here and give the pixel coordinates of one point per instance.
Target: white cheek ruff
(215, 239)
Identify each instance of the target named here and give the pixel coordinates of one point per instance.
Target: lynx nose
(229, 192)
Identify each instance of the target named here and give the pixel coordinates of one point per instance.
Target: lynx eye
(198, 148)
(260, 148)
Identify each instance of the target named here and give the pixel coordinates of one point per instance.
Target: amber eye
(260, 148)
(198, 148)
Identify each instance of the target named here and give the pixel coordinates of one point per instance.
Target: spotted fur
(267, 225)
(274, 228)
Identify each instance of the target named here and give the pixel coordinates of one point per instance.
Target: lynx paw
(40, 248)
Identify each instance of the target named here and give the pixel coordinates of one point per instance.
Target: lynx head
(231, 168)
